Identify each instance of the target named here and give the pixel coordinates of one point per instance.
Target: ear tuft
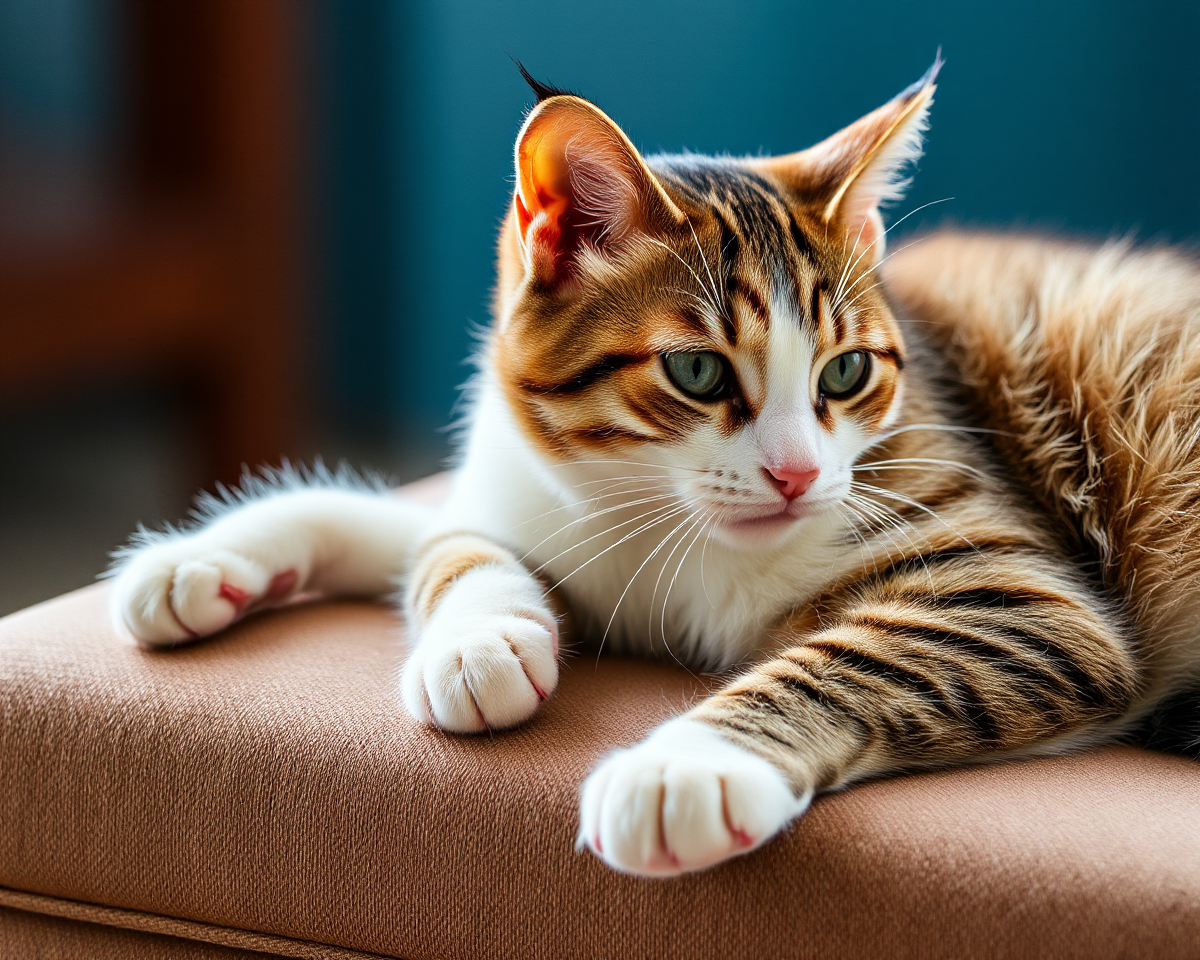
(543, 91)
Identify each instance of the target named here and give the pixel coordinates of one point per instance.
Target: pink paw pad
(238, 597)
(282, 585)
(742, 838)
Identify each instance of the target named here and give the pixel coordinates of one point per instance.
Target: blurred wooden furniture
(186, 274)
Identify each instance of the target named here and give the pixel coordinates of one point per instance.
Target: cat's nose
(792, 482)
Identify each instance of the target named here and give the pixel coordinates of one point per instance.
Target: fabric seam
(143, 922)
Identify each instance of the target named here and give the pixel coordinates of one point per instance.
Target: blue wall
(1076, 116)
(1073, 116)
(58, 71)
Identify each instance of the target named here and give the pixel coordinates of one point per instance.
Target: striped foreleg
(909, 681)
(945, 661)
(485, 650)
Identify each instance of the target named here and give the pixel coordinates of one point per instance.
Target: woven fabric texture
(32, 936)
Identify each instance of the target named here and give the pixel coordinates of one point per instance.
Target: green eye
(700, 375)
(844, 375)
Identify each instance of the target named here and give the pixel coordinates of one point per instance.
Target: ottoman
(263, 793)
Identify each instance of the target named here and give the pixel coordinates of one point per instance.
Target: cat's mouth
(772, 519)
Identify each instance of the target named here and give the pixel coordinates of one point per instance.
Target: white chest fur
(644, 576)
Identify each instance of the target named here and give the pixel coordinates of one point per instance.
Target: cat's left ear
(582, 187)
(843, 180)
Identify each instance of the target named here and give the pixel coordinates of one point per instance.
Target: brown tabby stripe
(442, 562)
(814, 308)
(872, 405)
(663, 412)
(730, 246)
(800, 241)
(586, 377)
(922, 504)
(892, 354)
(608, 436)
(824, 414)
(753, 300)
(696, 324)
(989, 649)
(743, 233)
(921, 563)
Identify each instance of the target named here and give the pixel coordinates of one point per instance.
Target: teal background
(1077, 117)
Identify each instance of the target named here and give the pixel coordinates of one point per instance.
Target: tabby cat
(704, 429)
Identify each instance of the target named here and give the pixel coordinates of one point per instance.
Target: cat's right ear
(845, 179)
(582, 187)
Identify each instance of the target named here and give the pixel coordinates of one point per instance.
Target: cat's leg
(328, 540)
(898, 674)
(486, 649)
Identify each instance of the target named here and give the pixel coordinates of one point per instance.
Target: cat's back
(1086, 360)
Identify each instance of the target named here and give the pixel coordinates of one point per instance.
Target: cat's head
(704, 329)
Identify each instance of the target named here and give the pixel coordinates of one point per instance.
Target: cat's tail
(1086, 361)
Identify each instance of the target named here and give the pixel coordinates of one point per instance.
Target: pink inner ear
(590, 203)
(580, 183)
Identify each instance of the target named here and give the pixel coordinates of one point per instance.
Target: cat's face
(702, 334)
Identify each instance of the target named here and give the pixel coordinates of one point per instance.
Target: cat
(931, 511)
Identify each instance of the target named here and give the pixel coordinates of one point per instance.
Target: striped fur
(1086, 364)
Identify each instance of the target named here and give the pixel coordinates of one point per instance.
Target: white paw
(683, 799)
(183, 588)
(487, 657)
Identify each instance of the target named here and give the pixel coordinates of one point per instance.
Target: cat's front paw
(486, 658)
(180, 589)
(684, 799)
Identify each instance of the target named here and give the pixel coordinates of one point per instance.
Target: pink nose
(793, 483)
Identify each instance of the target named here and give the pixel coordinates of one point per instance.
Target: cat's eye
(844, 375)
(702, 374)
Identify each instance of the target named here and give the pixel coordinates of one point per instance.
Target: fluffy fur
(980, 548)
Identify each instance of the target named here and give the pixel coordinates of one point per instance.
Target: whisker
(662, 626)
(844, 307)
(703, 554)
(946, 427)
(694, 274)
(671, 512)
(640, 568)
(654, 593)
(889, 230)
(588, 503)
(837, 296)
(637, 463)
(631, 476)
(913, 503)
(903, 462)
(895, 523)
(592, 516)
(852, 527)
(704, 260)
(874, 523)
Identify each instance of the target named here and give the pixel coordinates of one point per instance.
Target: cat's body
(699, 432)
(1085, 364)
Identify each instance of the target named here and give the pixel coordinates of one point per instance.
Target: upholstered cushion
(267, 782)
